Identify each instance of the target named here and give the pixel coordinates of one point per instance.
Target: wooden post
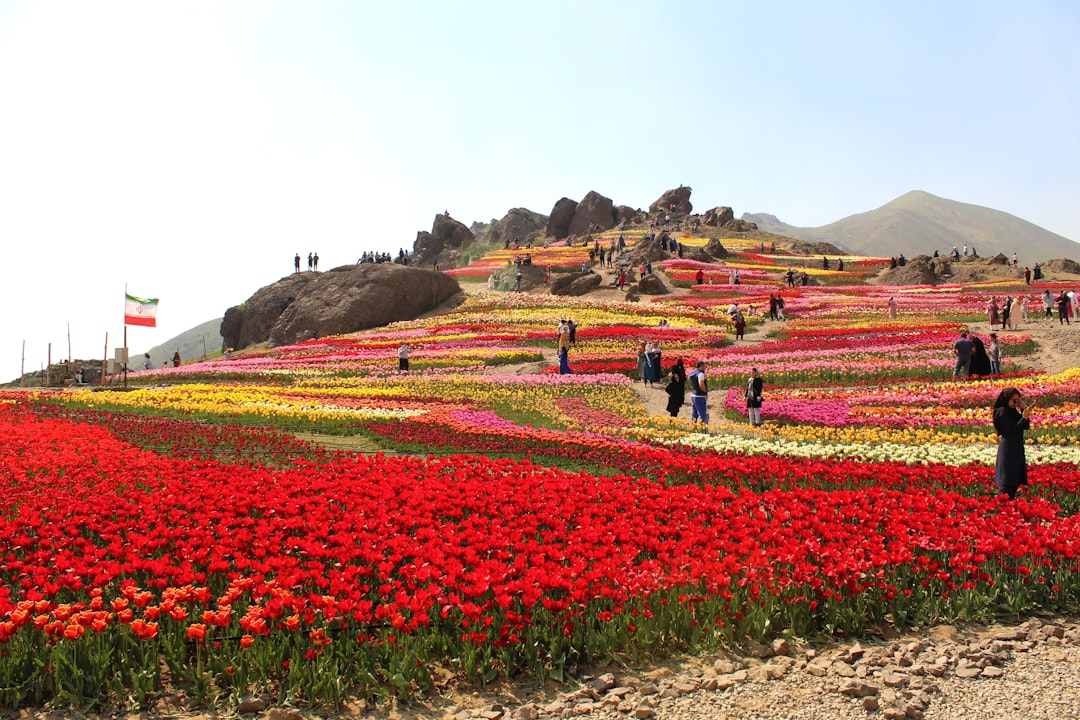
(204, 347)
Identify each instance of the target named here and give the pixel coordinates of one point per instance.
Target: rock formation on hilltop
(675, 201)
(594, 213)
(343, 300)
(562, 214)
(442, 245)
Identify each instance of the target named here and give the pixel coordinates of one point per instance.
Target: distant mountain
(204, 339)
(919, 223)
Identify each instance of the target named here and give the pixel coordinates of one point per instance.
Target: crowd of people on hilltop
(384, 257)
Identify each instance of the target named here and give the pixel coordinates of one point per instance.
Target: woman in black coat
(1010, 422)
(676, 389)
(980, 360)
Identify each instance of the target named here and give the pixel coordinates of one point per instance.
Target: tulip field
(308, 523)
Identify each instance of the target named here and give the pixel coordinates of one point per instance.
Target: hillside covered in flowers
(312, 522)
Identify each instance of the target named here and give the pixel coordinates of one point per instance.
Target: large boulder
(593, 214)
(518, 226)
(343, 300)
(251, 322)
(652, 285)
(442, 244)
(575, 284)
(718, 216)
(716, 249)
(561, 216)
(676, 202)
(626, 214)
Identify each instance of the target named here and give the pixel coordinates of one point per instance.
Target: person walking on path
(676, 388)
(1048, 304)
(962, 349)
(699, 395)
(1010, 421)
(754, 389)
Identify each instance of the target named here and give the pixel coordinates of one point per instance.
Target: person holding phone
(1010, 421)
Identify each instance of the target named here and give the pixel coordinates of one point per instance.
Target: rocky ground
(1030, 671)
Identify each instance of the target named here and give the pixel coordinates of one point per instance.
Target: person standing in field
(892, 308)
(994, 351)
(1010, 421)
(676, 388)
(962, 349)
(699, 395)
(403, 357)
(755, 387)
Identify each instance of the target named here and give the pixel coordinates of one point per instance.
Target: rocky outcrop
(346, 299)
(628, 215)
(251, 322)
(676, 202)
(652, 285)
(716, 249)
(1062, 265)
(519, 225)
(593, 214)
(919, 270)
(442, 244)
(575, 284)
(718, 216)
(562, 215)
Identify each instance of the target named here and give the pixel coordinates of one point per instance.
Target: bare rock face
(251, 322)
(716, 249)
(343, 300)
(594, 213)
(676, 202)
(575, 284)
(518, 226)
(626, 214)
(441, 245)
(561, 216)
(718, 216)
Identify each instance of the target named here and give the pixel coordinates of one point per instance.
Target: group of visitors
(699, 388)
(312, 262)
(975, 358)
(384, 257)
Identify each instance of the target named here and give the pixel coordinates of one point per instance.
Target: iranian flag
(140, 311)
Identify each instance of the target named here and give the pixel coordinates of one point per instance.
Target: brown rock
(358, 297)
(594, 213)
(562, 214)
(675, 202)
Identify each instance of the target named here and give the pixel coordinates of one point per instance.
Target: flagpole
(125, 337)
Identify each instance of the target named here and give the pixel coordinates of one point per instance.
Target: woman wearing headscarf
(754, 389)
(1010, 422)
(676, 388)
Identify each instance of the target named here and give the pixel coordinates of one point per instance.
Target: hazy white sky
(189, 150)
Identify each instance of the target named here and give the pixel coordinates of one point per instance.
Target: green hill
(918, 223)
(193, 344)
